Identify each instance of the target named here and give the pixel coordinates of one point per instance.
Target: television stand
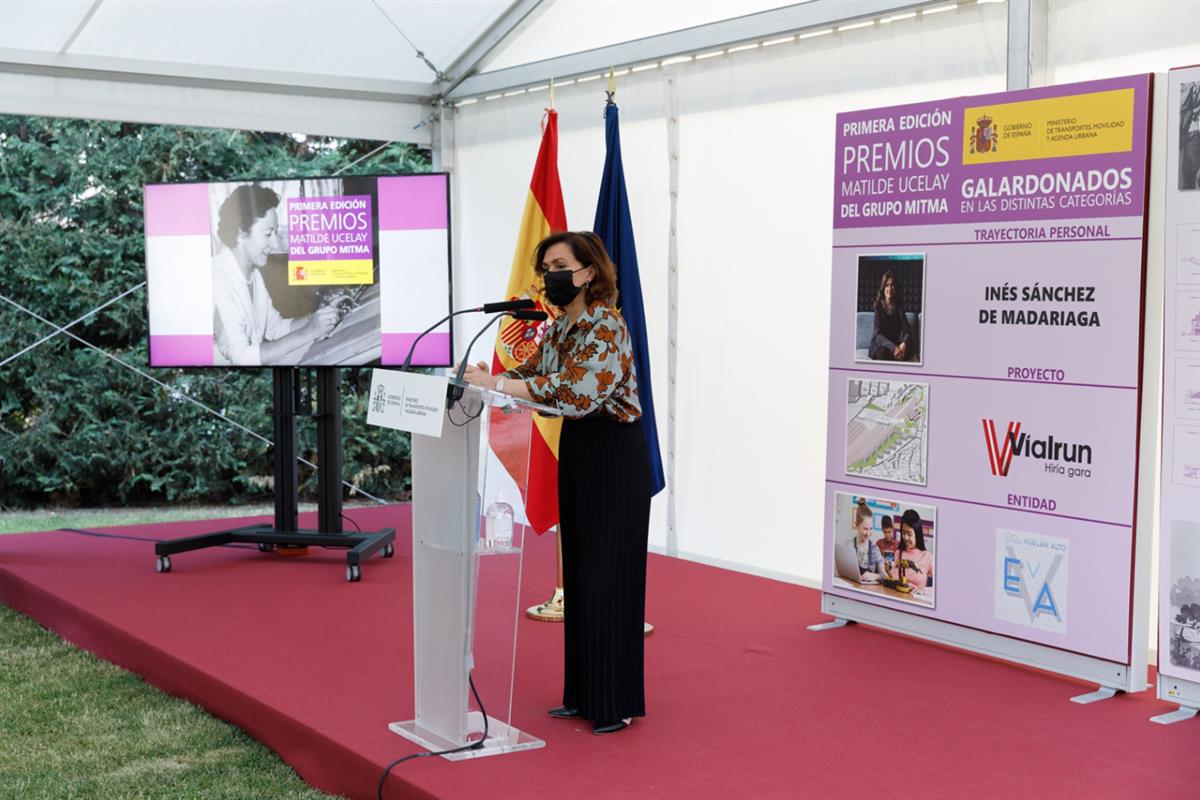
(289, 400)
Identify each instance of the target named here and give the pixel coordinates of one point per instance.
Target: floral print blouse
(585, 369)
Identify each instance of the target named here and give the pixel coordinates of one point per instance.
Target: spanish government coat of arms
(985, 138)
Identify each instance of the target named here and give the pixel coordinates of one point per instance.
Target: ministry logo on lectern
(1031, 580)
(985, 137)
(379, 401)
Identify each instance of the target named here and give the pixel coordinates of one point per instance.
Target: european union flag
(614, 226)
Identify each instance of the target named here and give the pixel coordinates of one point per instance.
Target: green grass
(22, 521)
(74, 726)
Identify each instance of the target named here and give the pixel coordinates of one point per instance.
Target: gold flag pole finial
(552, 94)
(612, 86)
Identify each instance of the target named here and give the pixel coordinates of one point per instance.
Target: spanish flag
(517, 339)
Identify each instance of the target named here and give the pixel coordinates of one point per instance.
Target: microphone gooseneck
(454, 392)
(487, 308)
(413, 347)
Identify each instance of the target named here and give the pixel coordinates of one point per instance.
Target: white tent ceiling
(342, 68)
(355, 68)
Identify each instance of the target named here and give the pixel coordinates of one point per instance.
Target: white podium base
(501, 738)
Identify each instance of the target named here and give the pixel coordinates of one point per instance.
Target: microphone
(487, 308)
(507, 305)
(453, 392)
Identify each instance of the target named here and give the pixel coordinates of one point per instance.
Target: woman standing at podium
(584, 368)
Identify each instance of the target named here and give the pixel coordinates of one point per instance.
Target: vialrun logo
(1014, 443)
(1000, 458)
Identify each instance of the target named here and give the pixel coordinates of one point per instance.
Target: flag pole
(554, 609)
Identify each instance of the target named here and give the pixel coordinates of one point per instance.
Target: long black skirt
(604, 508)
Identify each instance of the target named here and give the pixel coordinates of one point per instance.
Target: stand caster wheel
(388, 551)
(163, 564)
(266, 548)
(353, 573)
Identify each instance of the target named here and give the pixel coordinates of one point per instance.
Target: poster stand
(1179, 522)
(1110, 674)
(293, 398)
(830, 626)
(910, 225)
(1181, 714)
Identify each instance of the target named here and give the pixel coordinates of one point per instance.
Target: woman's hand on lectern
(478, 374)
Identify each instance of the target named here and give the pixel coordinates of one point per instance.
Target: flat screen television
(333, 271)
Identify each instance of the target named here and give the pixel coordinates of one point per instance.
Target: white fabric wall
(755, 210)
(757, 136)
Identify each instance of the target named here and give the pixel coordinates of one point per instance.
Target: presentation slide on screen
(985, 364)
(339, 271)
(1179, 544)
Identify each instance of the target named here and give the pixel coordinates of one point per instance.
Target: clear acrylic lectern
(482, 455)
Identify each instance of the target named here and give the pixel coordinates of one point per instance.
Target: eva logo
(1031, 580)
(985, 138)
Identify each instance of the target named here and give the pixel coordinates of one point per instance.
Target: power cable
(472, 746)
(127, 537)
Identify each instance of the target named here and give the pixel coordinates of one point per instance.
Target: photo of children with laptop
(884, 547)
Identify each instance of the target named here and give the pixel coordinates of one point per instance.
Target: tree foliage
(78, 428)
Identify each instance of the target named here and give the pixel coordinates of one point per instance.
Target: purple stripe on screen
(178, 209)
(415, 202)
(181, 351)
(433, 349)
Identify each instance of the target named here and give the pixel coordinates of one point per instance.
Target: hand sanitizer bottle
(498, 527)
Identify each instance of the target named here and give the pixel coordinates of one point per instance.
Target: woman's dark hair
(913, 520)
(244, 206)
(589, 251)
(880, 302)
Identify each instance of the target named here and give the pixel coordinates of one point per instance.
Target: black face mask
(560, 287)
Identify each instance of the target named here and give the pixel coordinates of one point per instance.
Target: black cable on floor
(100, 535)
(471, 746)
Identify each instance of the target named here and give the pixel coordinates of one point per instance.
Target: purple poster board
(1179, 543)
(985, 361)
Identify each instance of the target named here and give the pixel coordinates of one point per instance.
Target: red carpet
(742, 701)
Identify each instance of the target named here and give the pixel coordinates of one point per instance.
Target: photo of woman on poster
(247, 328)
(890, 341)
